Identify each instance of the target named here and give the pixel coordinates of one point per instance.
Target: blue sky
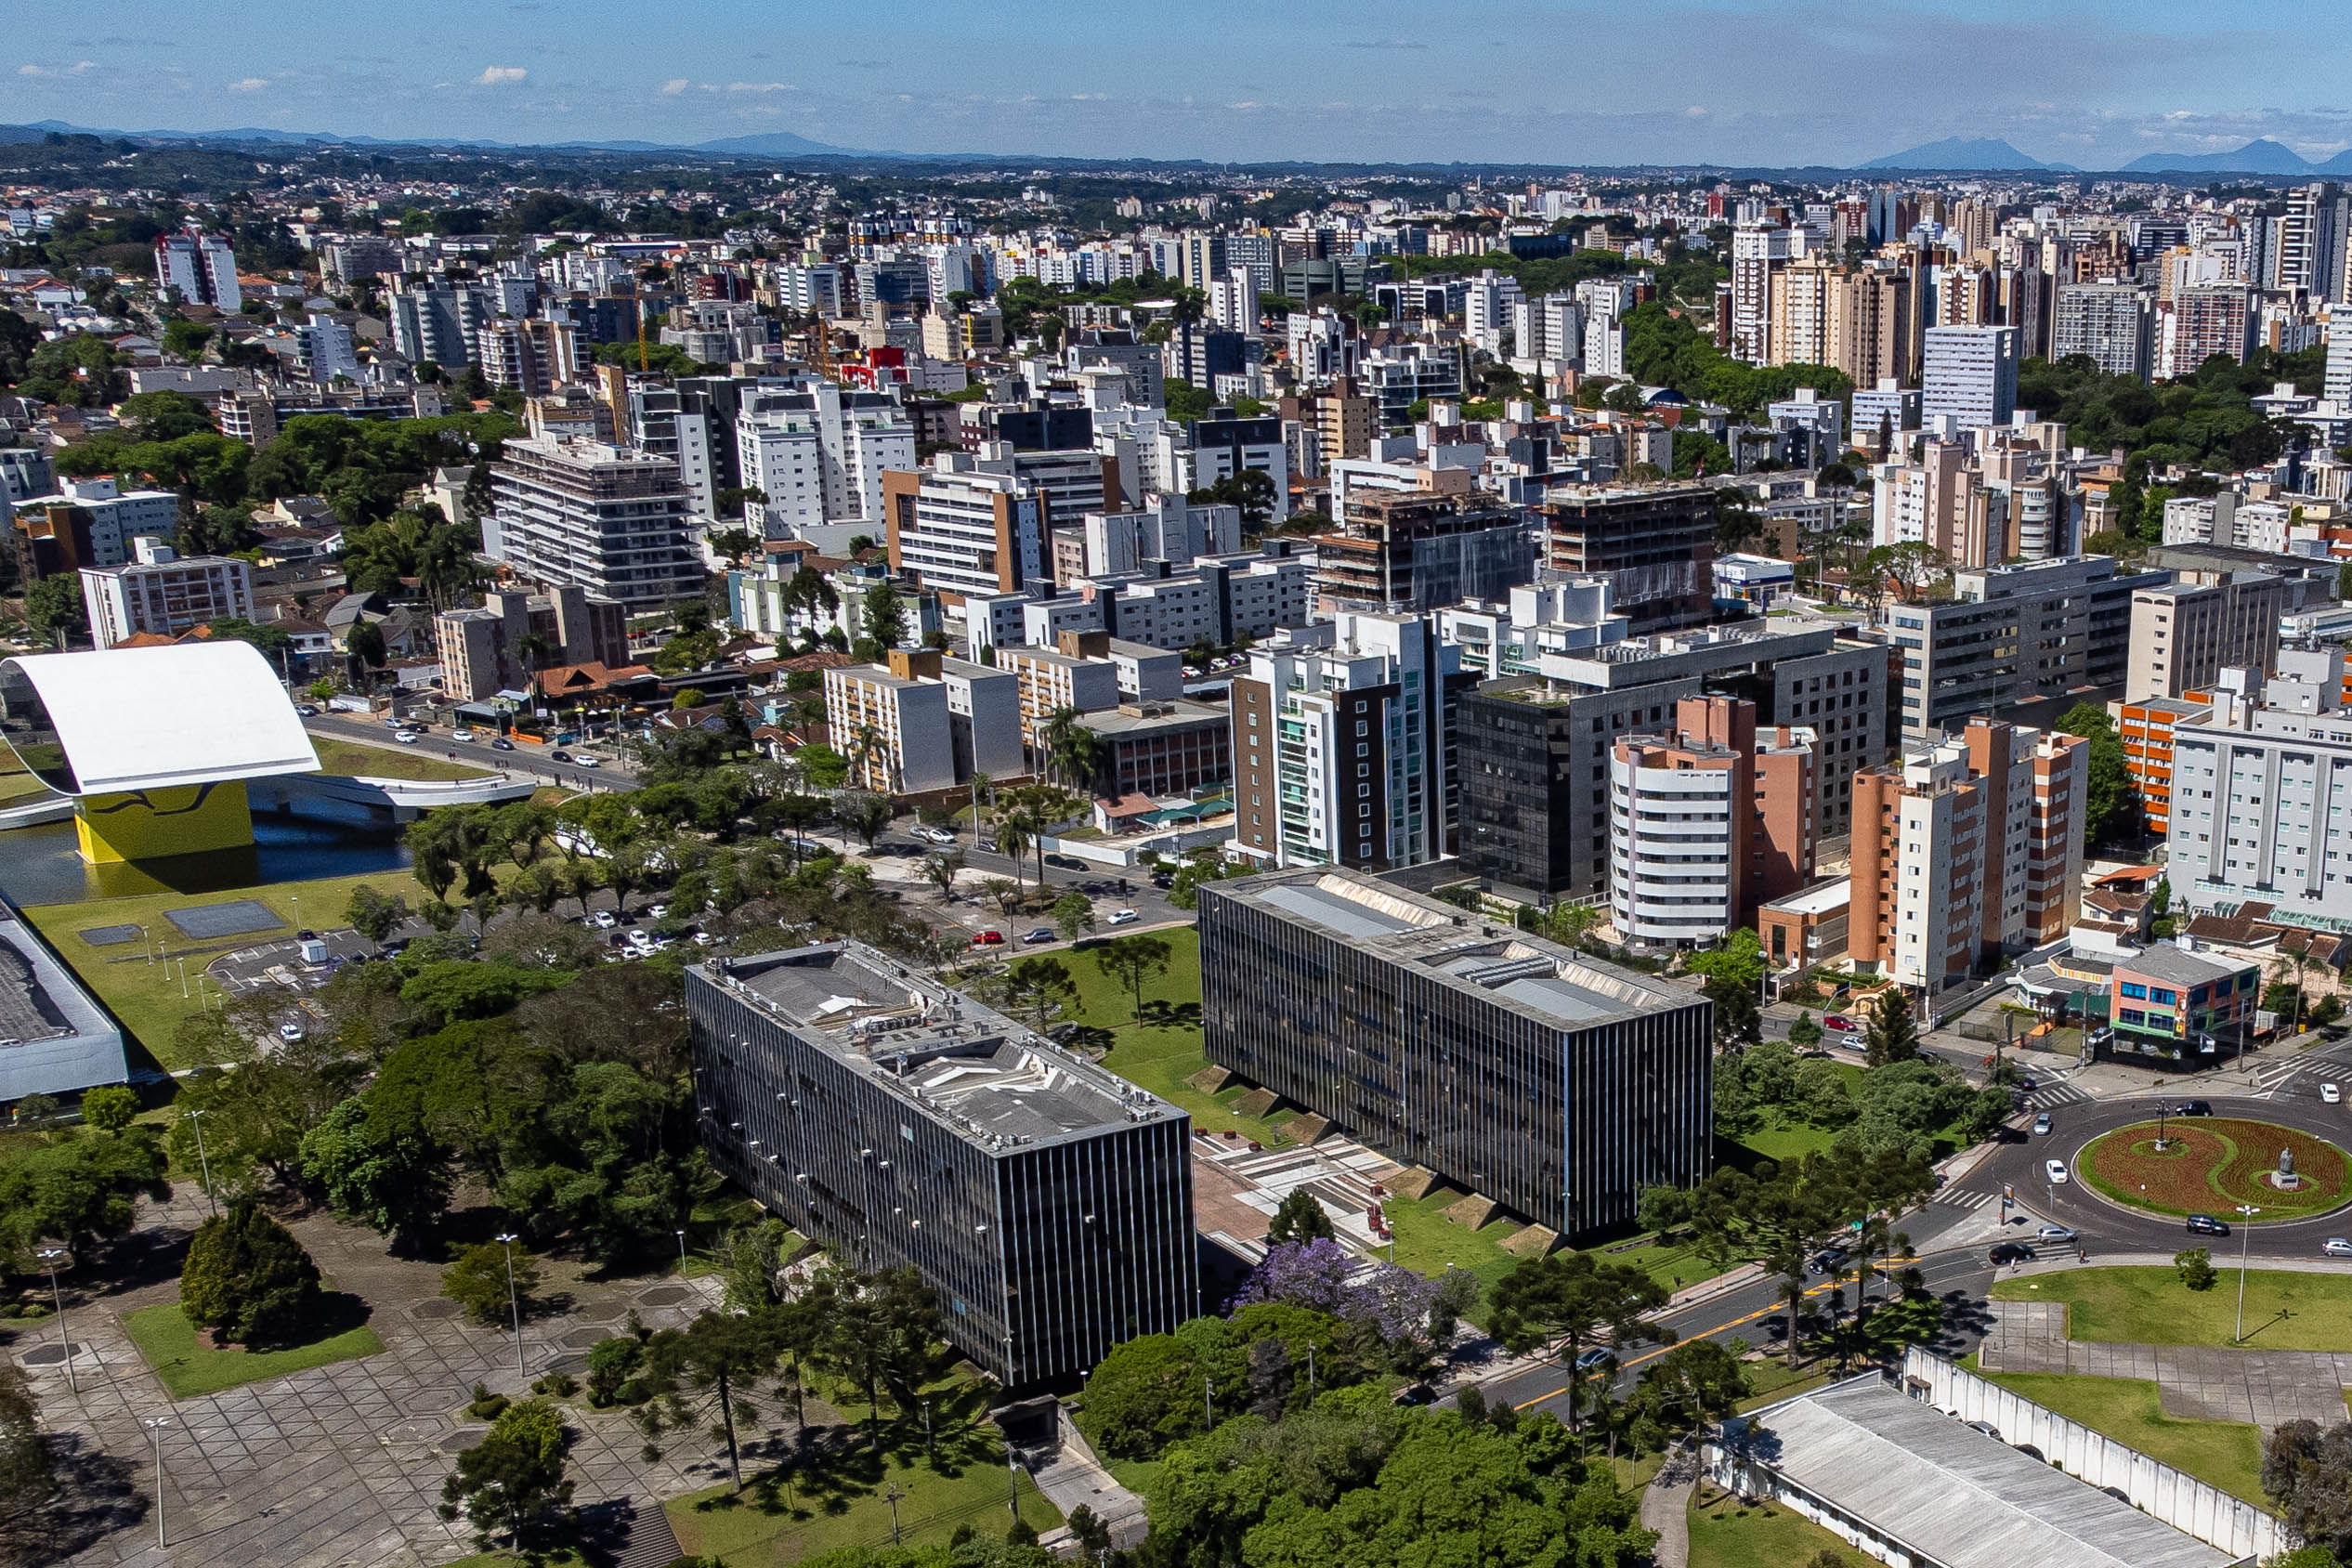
(1739, 81)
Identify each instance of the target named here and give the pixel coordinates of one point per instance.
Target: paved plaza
(339, 1467)
(2198, 1383)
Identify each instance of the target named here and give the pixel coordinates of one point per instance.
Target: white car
(405, 736)
(2054, 1169)
(1124, 917)
(655, 912)
(603, 919)
(462, 734)
(935, 835)
(2336, 1247)
(582, 759)
(290, 1033)
(2331, 1094)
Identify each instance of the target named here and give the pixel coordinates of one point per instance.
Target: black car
(2205, 1224)
(2196, 1108)
(2010, 1252)
(1417, 1393)
(560, 756)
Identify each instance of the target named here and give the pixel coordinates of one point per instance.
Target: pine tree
(247, 1278)
(1299, 1218)
(1893, 1036)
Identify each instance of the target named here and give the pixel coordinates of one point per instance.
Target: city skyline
(1843, 84)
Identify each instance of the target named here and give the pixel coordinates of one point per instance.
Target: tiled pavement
(2202, 1382)
(340, 1467)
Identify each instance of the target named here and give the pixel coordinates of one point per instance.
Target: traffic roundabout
(2221, 1163)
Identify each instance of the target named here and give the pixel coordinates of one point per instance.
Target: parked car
(2195, 1108)
(2330, 1094)
(1042, 933)
(1417, 1393)
(1840, 1023)
(1596, 1358)
(2042, 1125)
(461, 734)
(704, 939)
(499, 743)
(1124, 917)
(405, 736)
(2054, 1169)
(990, 939)
(2336, 1247)
(307, 710)
(2009, 1252)
(2205, 1224)
(655, 912)
(603, 919)
(290, 1033)
(1163, 880)
(2053, 1234)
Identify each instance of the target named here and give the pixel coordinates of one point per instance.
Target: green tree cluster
(247, 1278)
(2111, 804)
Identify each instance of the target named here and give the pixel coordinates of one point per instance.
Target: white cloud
(79, 68)
(675, 86)
(249, 85)
(1696, 111)
(500, 75)
(761, 87)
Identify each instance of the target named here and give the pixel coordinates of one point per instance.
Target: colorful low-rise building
(2185, 1006)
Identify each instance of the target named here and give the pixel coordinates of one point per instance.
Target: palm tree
(537, 651)
(1055, 738)
(940, 871)
(1016, 829)
(863, 742)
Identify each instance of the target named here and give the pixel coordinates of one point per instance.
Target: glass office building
(1048, 1203)
(1557, 1085)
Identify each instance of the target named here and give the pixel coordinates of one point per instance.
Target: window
(2134, 989)
(2161, 996)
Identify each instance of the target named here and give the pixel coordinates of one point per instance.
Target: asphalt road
(612, 773)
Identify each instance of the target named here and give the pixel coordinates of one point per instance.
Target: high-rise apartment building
(2199, 322)
(85, 523)
(2113, 323)
(965, 525)
(1046, 1203)
(1412, 553)
(2013, 634)
(2185, 633)
(2309, 256)
(1655, 543)
(162, 592)
(819, 453)
(1554, 1084)
(1758, 250)
(1343, 744)
(610, 519)
(1706, 821)
(1973, 850)
(481, 647)
(200, 268)
(1970, 375)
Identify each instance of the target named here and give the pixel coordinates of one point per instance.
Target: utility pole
(2246, 1211)
(892, 1496)
(196, 1121)
(155, 1425)
(53, 1257)
(514, 1302)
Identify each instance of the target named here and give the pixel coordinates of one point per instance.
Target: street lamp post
(2246, 1211)
(52, 1257)
(155, 1425)
(196, 1121)
(183, 979)
(680, 1234)
(514, 1302)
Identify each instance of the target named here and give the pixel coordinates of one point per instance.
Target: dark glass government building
(1557, 1085)
(1047, 1203)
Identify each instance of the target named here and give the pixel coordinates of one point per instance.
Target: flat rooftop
(55, 1039)
(1954, 1495)
(991, 1079)
(1158, 714)
(1556, 985)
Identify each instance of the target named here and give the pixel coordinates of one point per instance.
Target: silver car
(2336, 1247)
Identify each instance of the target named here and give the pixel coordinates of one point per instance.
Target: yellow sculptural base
(153, 824)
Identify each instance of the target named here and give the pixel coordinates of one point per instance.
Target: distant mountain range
(1986, 154)
(1964, 152)
(774, 144)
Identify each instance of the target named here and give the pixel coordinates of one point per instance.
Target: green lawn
(146, 996)
(1429, 1243)
(168, 1341)
(2150, 1306)
(420, 761)
(18, 787)
(844, 1503)
(2227, 1453)
(1161, 1057)
(1768, 1536)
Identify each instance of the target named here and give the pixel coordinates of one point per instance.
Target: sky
(2094, 83)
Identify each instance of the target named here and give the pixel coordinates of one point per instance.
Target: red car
(988, 939)
(1840, 1023)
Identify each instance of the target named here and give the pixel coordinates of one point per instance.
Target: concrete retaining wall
(2180, 1501)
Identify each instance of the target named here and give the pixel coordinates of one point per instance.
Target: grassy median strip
(357, 759)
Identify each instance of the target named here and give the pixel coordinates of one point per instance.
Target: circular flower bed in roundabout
(2211, 1165)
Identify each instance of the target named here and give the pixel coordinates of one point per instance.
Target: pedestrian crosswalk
(1961, 1197)
(2056, 1095)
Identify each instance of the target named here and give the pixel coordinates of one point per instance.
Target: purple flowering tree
(1324, 1276)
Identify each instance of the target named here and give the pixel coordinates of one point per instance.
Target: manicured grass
(2150, 1306)
(1768, 1535)
(2226, 1453)
(146, 996)
(1429, 1243)
(842, 1504)
(2212, 1166)
(420, 761)
(1774, 1379)
(18, 787)
(168, 1341)
(1159, 1056)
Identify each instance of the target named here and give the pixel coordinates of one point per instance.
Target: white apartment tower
(1969, 374)
(202, 268)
